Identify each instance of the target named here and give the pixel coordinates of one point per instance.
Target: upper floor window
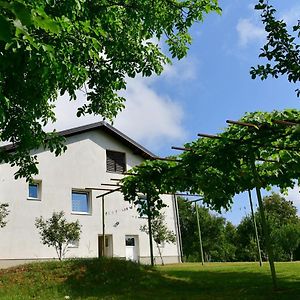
(81, 202)
(115, 162)
(34, 191)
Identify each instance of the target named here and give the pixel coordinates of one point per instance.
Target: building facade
(97, 154)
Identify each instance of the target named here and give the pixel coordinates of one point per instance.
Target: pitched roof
(134, 146)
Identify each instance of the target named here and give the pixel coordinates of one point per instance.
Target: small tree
(3, 214)
(57, 232)
(160, 233)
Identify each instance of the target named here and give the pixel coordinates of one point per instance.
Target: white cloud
(149, 118)
(294, 195)
(249, 32)
(183, 70)
(66, 110)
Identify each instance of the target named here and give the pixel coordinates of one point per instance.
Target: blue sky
(204, 89)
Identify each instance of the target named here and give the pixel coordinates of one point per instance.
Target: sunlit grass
(116, 279)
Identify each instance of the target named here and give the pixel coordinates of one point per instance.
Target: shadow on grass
(115, 279)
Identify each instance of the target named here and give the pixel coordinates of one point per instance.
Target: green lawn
(115, 279)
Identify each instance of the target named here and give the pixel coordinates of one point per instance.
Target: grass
(116, 279)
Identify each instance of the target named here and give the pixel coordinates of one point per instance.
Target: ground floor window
(81, 202)
(34, 191)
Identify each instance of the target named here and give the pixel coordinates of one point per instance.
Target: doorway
(108, 250)
(132, 247)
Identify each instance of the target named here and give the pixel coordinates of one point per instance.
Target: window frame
(115, 168)
(89, 202)
(38, 183)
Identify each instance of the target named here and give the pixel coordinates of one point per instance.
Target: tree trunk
(159, 251)
(60, 252)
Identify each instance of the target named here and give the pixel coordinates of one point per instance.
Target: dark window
(115, 162)
(129, 241)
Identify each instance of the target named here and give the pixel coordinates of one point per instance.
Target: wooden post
(264, 225)
(255, 228)
(150, 229)
(199, 232)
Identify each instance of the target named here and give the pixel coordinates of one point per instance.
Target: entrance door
(131, 243)
(108, 251)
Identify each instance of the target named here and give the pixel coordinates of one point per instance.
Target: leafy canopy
(240, 158)
(51, 47)
(282, 49)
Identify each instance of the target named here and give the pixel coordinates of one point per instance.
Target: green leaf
(6, 29)
(22, 12)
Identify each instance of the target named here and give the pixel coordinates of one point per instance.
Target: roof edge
(136, 147)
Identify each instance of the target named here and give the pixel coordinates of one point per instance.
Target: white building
(96, 154)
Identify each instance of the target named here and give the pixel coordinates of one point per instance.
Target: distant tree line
(222, 241)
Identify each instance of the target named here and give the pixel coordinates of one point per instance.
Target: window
(73, 244)
(34, 191)
(129, 241)
(115, 162)
(80, 202)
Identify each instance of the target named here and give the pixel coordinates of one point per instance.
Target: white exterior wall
(83, 165)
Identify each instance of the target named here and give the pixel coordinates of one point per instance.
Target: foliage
(279, 210)
(114, 278)
(240, 158)
(160, 233)
(3, 214)
(246, 240)
(149, 182)
(283, 223)
(54, 47)
(288, 237)
(281, 49)
(218, 236)
(57, 232)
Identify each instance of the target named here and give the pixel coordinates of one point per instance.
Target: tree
(288, 236)
(188, 228)
(282, 222)
(281, 49)
(279, 210)
(3, 214)
(246, 244)
(218, 236)
(57, 232)
(160, 233)
(53, 47)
